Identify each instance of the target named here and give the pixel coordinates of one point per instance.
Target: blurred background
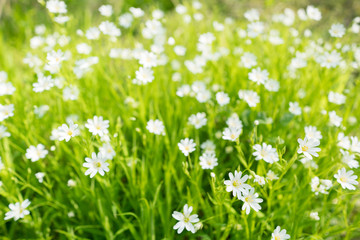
(16, 14)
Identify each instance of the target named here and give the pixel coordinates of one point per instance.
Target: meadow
(124, 122)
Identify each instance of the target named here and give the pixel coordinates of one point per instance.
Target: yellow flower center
(304, 148)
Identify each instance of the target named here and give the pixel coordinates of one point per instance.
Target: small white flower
(346, 179)
(312, 133)
(106, 10)
(295, 108)
(231, 133)
(265, 152)
(259, 76)
(97, 126)
(320, 185)
(308, 147)
(186, 146)
(18, 210)
(56, 6)
(335, 120)
(198, 120)
(336, 98)
(208, 160)
(271, 176)
(251, 200)
(349, 159)
(107, 151)
(250, 97)
(237, 184)
(337, 30)
(40, 176)
(96, 164)
(186, 220)
(156, 126)
(222, 98)
(36, 153)
(315, 216)
(279, 234)
(3, 132)
(208, 146)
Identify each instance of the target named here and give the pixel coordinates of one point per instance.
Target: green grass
(149, 177)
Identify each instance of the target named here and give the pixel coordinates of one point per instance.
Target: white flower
(255, 29)
(337, 30)
(136, 12)
(336, 98)
(259, 179)
(43, 83)
(346, 179)
(92, 33)
(2, 166)
(3, 132)
(65, 132)
(208, 146)
(315, 216)
(265, 152)
(231, 133)
(6, 88)
(251, 97)
(109, 28)
(41, 110)
(313, 13)
(156, 126)
(36, 153)
(208, 160)
(279, 234)
(312, 133)
(180, 50)
(251, 200)
(40, 176)
(186, 220)
(56, 6)
(234, 121)
(83, 48)
(18, 210)
(248, 60)
(295, 108)
(335, 120)
(252, 15)
(343, 141)
(97, 126)
(349, 159)
(148, 59)
(329, 60)
(6, 111)
(144, 76)
(320, 185)
(96, 164)
(198, 120)
(71, 183)
(186, 146)
(55, 58)
(222, 98)
(106, 10)
(237, 184)
(71, 92)
(308, 147)
(271, 176)
(355, 144)
(259, 76)
(272, 85)
(107, 151)
(125, 20)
